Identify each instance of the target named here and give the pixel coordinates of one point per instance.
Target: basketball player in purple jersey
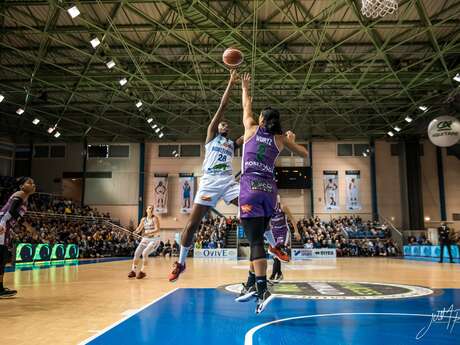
(263, 141)
(280, 229)
(14, 209)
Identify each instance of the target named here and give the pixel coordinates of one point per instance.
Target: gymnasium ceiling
(331, 72)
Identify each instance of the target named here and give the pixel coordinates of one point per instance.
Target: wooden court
(66, 305)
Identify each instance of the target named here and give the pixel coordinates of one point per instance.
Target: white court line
(249, 335)
(108, 328)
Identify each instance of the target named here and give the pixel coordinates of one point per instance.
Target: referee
(444, 240)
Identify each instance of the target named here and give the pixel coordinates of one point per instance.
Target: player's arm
(289, 142)
(239, 142)
(248, 120)
(290, 217)
(156, 221)
(213, 125)
(140, 227)
(13, 212)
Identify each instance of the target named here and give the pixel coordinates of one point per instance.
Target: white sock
(134, 267)
(183, 254)
(143, 267)
(270, 238)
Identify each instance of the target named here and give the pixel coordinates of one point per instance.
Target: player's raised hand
(2, 229)
(234, 76)
(290, 136)
(245, 81)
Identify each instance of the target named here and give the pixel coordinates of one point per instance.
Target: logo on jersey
(246, 208)
(221, 166)
(206, 198)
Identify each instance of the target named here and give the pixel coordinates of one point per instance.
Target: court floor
(343, 301)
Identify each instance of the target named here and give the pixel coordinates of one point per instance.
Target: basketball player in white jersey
(331, 196)
(353, 193)
(217, 182)
(150, 225)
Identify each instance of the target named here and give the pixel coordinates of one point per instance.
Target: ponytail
(272, 120)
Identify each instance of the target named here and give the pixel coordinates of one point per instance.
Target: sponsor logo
(444, 125)
(340, 290)
(246, 208)
(215, 253)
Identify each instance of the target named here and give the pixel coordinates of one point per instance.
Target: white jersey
(149, 226)
(219, 156)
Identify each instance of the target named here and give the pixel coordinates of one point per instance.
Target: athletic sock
(183, 254)
(261, 285)
(270, 238)
(134, 268)
(251, 279)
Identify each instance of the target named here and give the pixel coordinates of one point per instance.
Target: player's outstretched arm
(140, 227)
(213, 125)
(289, 142)
(248, 120)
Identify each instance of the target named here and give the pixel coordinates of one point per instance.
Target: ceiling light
(20, 111)
(368, 150)
(157, 130)
(95, 42)
(154, 126)
(457, 77)
(397, 129)
(110, 64)
(408, 119)
(123, 81)
(139, 104)
(74, 11)
(364, 154)
(390, 133)
(57, 135)
(2, 98)
(51, 130)
(149, 120)
(160, 135)
(174, 152)
(36, 121)
(423, 108)
(176, 155)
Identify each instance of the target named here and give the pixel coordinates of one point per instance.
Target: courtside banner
(323, 253)
(222, 253)
(160, 188)
(186, 191)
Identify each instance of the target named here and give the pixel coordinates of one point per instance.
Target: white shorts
(215, 187)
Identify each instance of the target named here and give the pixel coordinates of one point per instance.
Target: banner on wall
(331, 189)
(160, 189)
(186, 191)
(352, 180)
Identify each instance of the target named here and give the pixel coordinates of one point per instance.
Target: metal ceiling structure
(332, 72)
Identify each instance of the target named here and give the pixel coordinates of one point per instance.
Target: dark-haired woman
(14, 209)
(263, 141)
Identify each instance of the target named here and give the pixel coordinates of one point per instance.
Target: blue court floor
(210, 316)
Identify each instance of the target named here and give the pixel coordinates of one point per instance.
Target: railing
(70, 216)
(396, 235)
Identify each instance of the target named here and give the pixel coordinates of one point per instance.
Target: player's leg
(197, 214)
(137, 255)
(4, 255)
(149, 249)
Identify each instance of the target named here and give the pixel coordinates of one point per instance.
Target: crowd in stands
(68, 222)
(342, 234)
(212, 232)
(420, 241)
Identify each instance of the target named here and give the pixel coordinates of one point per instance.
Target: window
(98, 151)
(119, 151)
(168, 150)
(344, 149)
(359, 149)
(57, 151)
(41, 151)
(190, 150)
(22, 152)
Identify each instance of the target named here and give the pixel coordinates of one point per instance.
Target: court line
(113, 325)
(249, 334)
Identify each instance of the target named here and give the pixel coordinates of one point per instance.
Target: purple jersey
(280, 227)
(12, 221)
(257, 185)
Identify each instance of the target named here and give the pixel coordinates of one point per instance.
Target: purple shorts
(257, 196)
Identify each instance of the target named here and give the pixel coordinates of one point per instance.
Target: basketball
(232, 57)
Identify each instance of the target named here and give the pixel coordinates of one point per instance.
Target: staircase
(230, 238)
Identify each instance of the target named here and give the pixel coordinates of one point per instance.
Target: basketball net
(378, 8)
